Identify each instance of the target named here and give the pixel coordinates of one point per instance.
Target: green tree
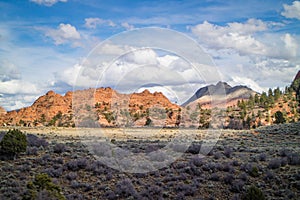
(148, 122)
(277, 93)
(270, 92)
(279, 119)
(43, 183)
(256, 98)
(13, 143)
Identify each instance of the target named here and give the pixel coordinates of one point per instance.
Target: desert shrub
(262, 157)
(151, 192)
(13, 143)
(197, 161)
(254, 172)
(42, 186)
(228, 179)
(194, 148)
(124, 188)
(32, 151)
(269, 176)
(75, 197)
(274, 163)
(217, 155)
(59, 148)
(75, 165)
(185, 189)
(235, 163)
(243, 176)
(214, 177)
(228, 151)
(209, 166)
(226, 167)
(293, 159)
(110, 195)
(71, 176)
(253, 193)
(35, 141)
(237, 186)
(54, 172)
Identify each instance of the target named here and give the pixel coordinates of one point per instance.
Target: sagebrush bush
(35, 141)
(253, 193)
(13, 143)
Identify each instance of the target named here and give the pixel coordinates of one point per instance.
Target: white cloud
(63, 34)
(93, 22)
(18, 87)
(8, 71)
(127, 26)
(252, 38)
(238, 36)
(47, 2)
(292, 11)
(238, 80)
(290, 44)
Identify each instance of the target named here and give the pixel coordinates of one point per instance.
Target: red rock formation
(102, 106)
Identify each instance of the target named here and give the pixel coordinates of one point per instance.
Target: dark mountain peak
(223, 84)
(219, 89)
(297, 76)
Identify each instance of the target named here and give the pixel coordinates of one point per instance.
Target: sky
(63, 45)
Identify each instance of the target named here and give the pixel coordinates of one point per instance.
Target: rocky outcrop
(96, 107)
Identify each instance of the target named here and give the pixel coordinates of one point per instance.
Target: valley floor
(267, 158)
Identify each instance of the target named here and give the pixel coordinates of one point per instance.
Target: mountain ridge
(221, 89)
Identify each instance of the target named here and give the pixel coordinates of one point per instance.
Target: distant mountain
(297, 76)
(296, 85)
(220, 90)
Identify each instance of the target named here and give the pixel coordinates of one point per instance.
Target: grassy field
(267, 159)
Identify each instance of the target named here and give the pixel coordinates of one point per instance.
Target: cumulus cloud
(18, 87)
(47, 2)
(249, 38)
(291, 11)
(127, 26)
(94, 22)
(63, 34)
(290, 44)
(8, 71)
(235, 35)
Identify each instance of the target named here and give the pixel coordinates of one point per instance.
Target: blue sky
(42, 42)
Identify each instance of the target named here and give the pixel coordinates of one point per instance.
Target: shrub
(228, 151)
(194, 148)
(274, 163)
(214, 177)
(294, 159)
(228, 179)
(237, 186)
(254, 172)
(13, 143)
(35, 141)
(279, 118)
(262, 157)
(32, 151)
(59, 148)
(42, 186)
(253, 193)
(125, 189)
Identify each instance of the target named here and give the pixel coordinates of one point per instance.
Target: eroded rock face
(95, 107)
